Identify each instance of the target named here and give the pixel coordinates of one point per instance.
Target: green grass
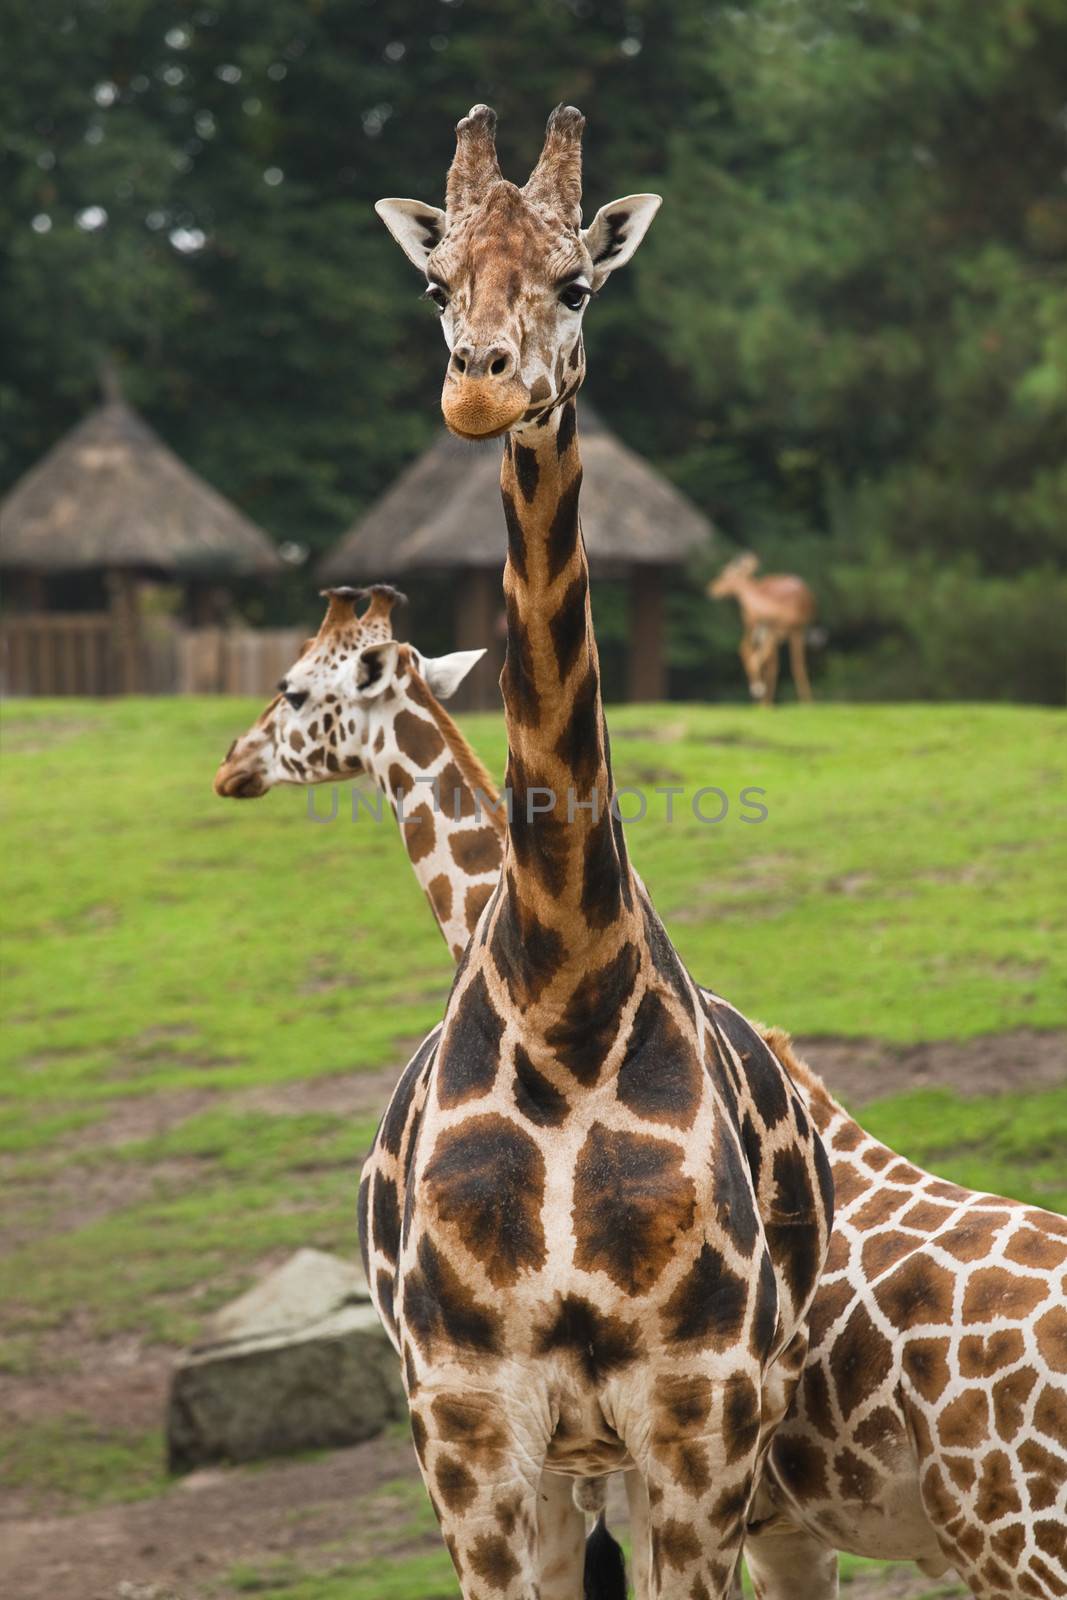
(420, 1577)
(906, 885)
(72, 1457)
(1012, 1144)
(903, 885)
(430, 1577)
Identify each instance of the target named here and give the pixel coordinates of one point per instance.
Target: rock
(310, 1285)
(300, 1362)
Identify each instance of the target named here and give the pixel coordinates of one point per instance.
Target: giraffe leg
(481, 1463)
(962, 1533)
(640, 1538)
(697, 1470)
(790, 1565)
(695, 1540)
(561, 1531)
(798, 663)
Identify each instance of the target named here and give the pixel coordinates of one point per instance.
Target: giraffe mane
(471, 768)
(780, 1043)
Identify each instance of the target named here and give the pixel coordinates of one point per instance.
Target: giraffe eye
(574, 296)
(438, 294)
(294, 697)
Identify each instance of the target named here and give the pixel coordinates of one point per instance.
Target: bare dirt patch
(183, 1542)
(119, 1384)
(76, 1195)
(861, 1070)
(143, 1116)
(346, 1094)
(30, 735)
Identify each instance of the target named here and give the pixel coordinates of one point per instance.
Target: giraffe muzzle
(483, 407)
(239, 783)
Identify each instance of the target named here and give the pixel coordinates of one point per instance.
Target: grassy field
(196, 990)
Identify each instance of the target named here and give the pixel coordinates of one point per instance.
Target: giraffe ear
(376, 668)
(445, 673)
(616, 231)
(417, 228)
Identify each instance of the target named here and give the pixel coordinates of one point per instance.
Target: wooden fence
(235, 660)
(77, 653)
(57, 653)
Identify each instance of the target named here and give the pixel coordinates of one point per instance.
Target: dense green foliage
(846, 336)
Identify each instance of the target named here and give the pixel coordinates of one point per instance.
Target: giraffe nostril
(459, 363)
(498, 366)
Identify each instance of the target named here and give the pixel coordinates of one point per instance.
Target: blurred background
(842, 348)
(845, 339)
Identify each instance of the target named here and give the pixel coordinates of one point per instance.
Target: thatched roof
(111, 494)
(444, 511)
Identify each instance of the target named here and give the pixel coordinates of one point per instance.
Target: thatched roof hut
(444, 514)
(111, 495)
(108, 510)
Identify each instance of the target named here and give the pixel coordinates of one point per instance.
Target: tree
(875, 279)
(846, 336)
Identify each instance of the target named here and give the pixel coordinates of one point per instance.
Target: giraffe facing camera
(595, 1213)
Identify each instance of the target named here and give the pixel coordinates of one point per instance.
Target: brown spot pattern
(486, 1183)
(993, 1292)
(632, 1201)
(418, 738)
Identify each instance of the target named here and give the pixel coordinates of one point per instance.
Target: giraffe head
(732, 577)
(351, 676)
(511, 271)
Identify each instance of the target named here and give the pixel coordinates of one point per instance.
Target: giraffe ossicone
(596, 1210)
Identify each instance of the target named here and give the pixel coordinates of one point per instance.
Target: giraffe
(357, 702)
(774, 609)
(930, 1423)
(897, 1416)
(597, 1243)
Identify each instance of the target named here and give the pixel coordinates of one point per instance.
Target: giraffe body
(624, 1162)
(858, 1417)
(931, 1420)
(597, 1243)
(580, 1211)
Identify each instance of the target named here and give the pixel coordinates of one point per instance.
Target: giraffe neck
(565, 860)
(452, 828)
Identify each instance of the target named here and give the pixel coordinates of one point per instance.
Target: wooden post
(479, 603)
(126, 631)
(34, 592)
(648, 667)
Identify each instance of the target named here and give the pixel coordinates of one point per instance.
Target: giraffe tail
(605, 1570)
